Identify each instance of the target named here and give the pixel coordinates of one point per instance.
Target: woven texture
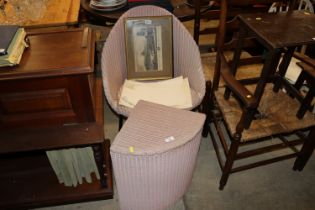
(246, 71)
(278, 110)
(186, 56)
(157, 174)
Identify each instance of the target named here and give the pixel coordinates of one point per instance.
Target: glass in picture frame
(149, 47)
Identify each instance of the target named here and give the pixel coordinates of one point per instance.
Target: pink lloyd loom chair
(186, 59)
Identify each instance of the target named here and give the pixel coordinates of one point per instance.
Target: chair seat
(244, 71)
(278, 114)
(195, 97)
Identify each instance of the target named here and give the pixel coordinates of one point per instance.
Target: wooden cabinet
(52, 100)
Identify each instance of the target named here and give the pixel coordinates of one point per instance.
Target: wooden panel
(35, 101)
(54, 53)
(46, 101)
(53, 137)
(40, 13)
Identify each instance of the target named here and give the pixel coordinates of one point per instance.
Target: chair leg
(306, 103)
(306, 151)
(121, 122)
(300, 80)
(206, 107)
(229, 161)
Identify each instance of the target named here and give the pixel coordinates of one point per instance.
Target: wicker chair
(186, 59)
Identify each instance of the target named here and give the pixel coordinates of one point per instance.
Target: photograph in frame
(149, 47)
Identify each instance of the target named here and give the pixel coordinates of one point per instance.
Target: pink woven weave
(187, 60)
(156, 174)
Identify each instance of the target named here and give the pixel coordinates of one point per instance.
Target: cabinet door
(46, 101)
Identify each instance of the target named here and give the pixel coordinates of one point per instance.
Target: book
(15, 50)
(7, 33)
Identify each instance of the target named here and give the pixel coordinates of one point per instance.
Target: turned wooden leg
(229, 161)
(206, 108)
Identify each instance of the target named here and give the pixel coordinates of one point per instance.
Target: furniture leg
(306, 151)
(197, 21)
(229, 160)
(299, 82)
(108, 164)
(206, 107)
(269, 66)
(121, 122)
(305, 104)
(283, 68)
(236, 57)
(98, 155)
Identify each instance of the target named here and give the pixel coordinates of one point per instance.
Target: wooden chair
(256, 112)
(213, 14)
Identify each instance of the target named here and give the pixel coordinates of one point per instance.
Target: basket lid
(152, 128)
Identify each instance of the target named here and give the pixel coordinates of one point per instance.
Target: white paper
(173, 92)
(293, 71)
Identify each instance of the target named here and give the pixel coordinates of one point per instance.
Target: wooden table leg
(270, 65)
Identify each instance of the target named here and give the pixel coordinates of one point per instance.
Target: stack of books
(12, 45)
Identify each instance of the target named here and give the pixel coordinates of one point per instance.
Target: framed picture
(149, 47)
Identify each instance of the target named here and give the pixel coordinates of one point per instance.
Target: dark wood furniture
(182, 11)
(257, 111)
(288, 31)
(213, 13)
(307, 75)
(52, 100)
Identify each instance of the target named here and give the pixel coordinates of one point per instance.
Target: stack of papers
(173, 92)
(72, 166)
(13, 53)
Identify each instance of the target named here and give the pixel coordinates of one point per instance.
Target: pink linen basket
(154, 156)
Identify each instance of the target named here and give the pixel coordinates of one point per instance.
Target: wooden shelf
(51, 137)
(29, 177)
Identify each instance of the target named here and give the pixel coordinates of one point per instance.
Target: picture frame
(149, 47)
